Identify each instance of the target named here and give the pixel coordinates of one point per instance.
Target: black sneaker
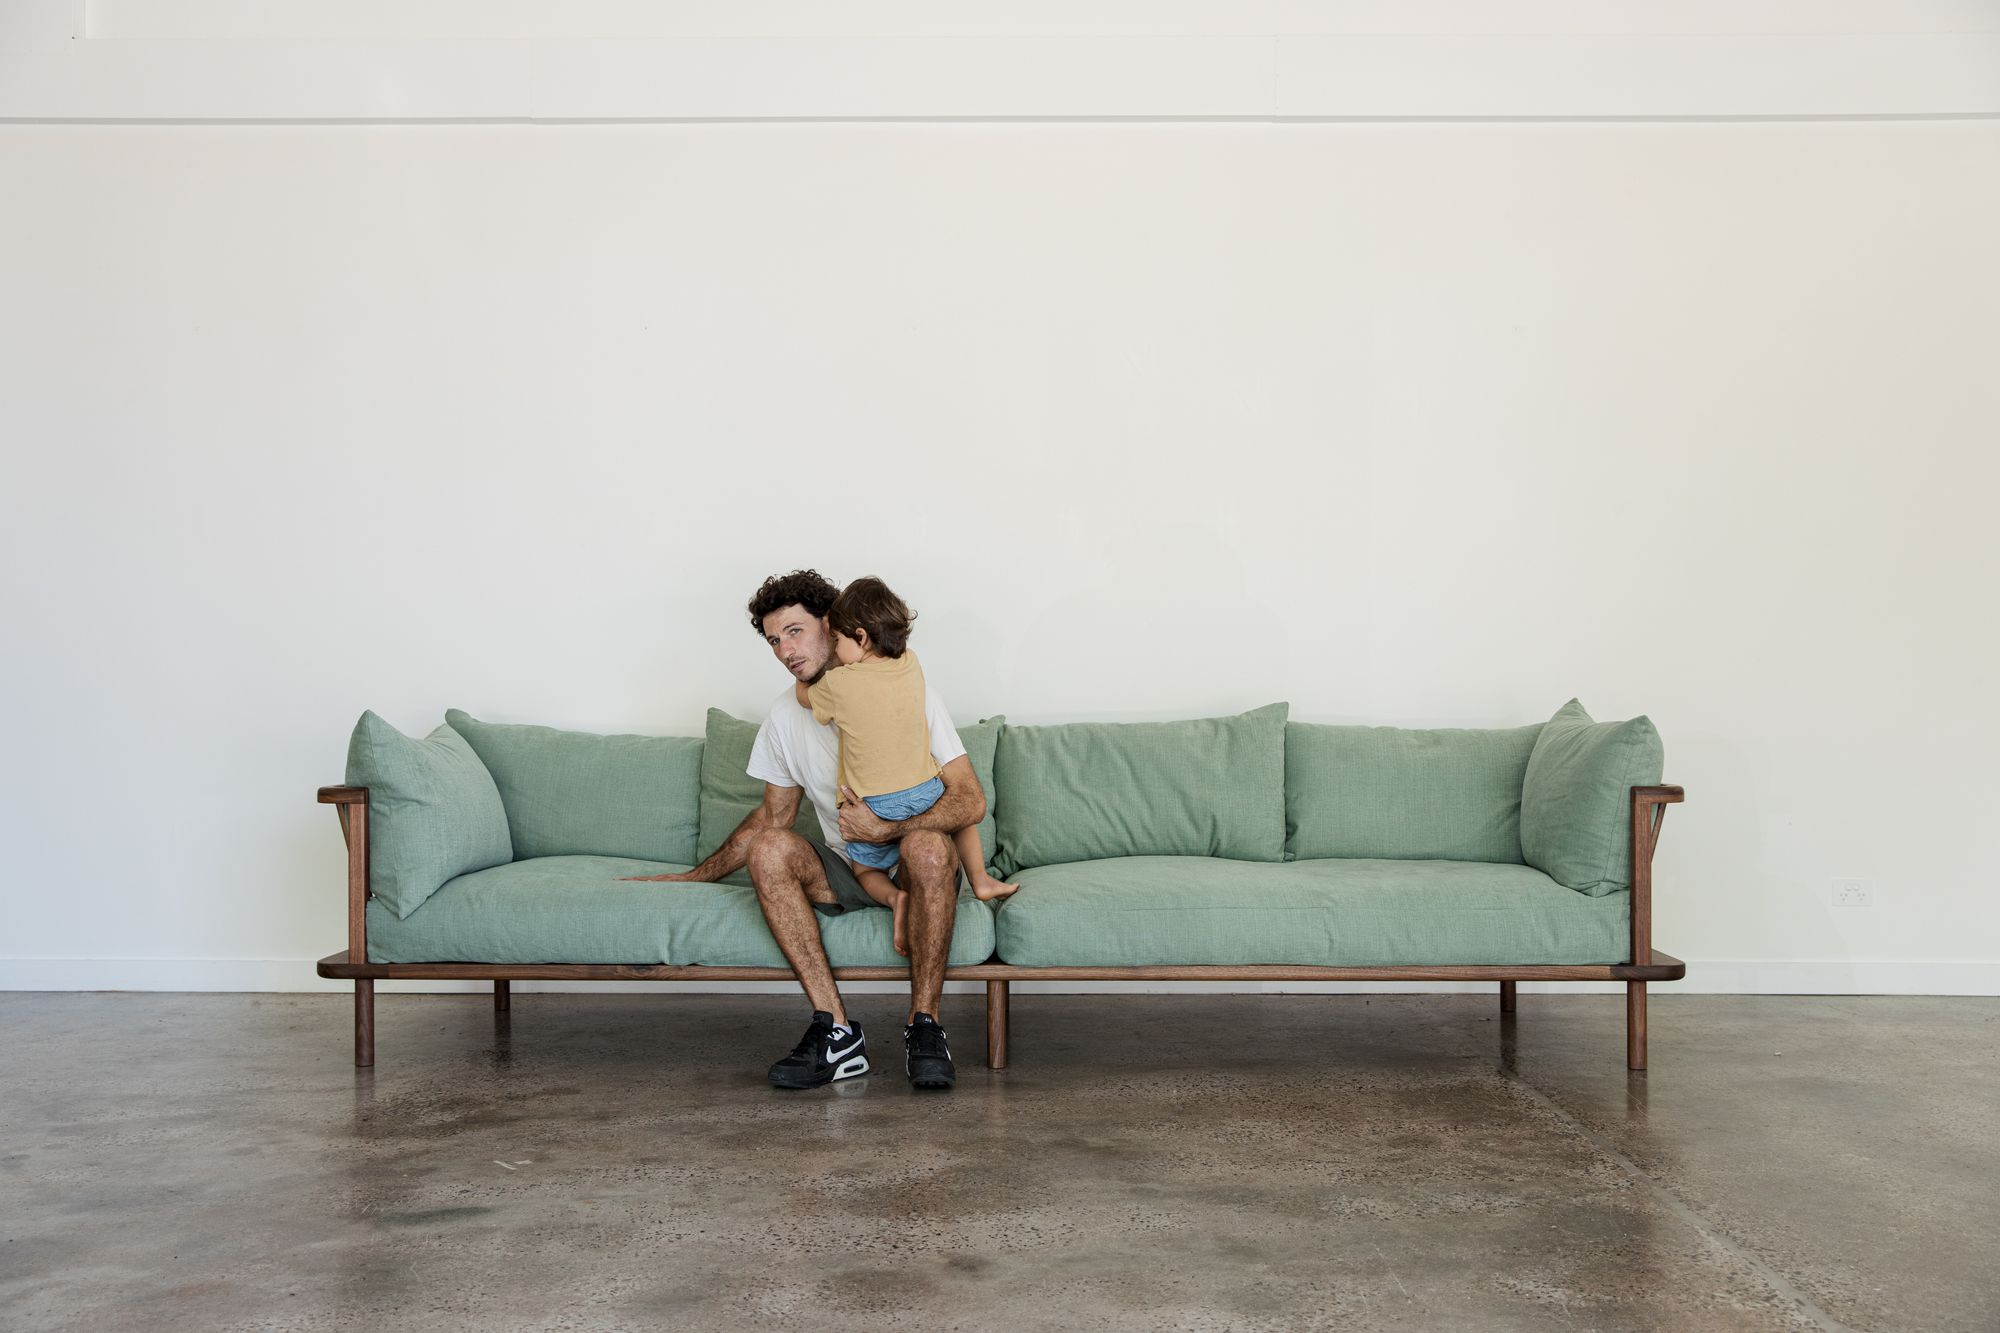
(821, 1057)
(927, 1054)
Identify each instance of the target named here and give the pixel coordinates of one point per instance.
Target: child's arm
(820, 697)
(805, 700)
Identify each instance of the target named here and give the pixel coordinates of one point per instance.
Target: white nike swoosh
(833, 1055)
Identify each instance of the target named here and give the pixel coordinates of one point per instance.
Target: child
(875, 698)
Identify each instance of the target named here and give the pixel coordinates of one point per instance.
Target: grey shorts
(847, 890)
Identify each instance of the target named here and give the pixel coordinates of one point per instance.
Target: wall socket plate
(1853, 892)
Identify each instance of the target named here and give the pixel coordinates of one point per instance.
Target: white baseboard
(1717, 977)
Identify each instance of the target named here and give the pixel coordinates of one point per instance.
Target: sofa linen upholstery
(1085, 791)
(578, 909)
(1396, 793)
(1575, 799)
(573, 793)
(433, 811)
(1170, 910)
(1223, 848)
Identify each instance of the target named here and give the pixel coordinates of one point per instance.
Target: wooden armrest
(343, 796)
(1658, 795)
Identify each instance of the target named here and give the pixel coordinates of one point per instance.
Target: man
(798, 880)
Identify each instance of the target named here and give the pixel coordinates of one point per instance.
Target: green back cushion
(728, 794)
(1576, 803)
(571, 793)
(1086, 790)
(982, 742)
(1392, 794)
(433, 811)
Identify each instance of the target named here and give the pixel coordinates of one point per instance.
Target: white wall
(1423, 424)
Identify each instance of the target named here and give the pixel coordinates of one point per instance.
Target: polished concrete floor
(212, 1162)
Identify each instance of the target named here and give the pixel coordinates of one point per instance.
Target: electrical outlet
(1853, 892)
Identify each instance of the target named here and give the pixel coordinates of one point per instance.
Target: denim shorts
(894, 805)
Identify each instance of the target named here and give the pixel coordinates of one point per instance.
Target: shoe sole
(845, 1070)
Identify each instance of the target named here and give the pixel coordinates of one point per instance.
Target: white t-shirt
(792, 750)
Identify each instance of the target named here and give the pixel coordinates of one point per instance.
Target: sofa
(1250, 847)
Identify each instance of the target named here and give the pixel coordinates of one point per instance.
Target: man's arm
(780, 808)
(963, 802)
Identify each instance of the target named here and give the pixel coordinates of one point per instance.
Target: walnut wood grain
(1649, 812)
(1663, 968)
(996, 1025)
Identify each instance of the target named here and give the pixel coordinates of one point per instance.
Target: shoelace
(813, 1042)
(926, 1039)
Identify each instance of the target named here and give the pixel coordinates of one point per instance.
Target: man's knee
(928, 854)
(774, 857)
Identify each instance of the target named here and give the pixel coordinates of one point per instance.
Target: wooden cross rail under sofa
(1647, 964)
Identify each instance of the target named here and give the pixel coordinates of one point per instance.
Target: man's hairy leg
(929, 875)
(789, 880)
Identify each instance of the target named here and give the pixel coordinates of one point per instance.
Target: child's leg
(877, 885)
(984, 886)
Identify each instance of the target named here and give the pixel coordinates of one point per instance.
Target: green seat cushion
(572, 793)
(729, 794)
(1391, 793)
(433, 811)
(1085, 791)
(1576, 800)
(1163, 910)
(576, 909)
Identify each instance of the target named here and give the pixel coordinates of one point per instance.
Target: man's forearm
(733, 854)
(959, 806)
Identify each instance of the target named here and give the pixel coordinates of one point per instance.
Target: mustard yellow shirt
(878, 707)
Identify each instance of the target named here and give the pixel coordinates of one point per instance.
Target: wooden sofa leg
(1506, 997)
(364, 1024)
(503, 998)
(1635, 1025)
(996, 1025)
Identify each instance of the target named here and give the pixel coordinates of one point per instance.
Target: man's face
(800, 641)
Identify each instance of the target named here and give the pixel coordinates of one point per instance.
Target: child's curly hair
(802, 587)
(868, 604)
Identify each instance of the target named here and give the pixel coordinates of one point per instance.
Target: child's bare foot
(899, 913)
(986, 888)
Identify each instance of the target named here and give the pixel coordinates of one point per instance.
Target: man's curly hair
(802, 587)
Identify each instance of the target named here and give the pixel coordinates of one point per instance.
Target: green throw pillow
(981, 741)
(1083, 791)
(1576, 803)
(572, 793)
(728, 794)
(433, 811)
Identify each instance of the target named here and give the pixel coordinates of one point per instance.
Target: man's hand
(684, 877)
(860, 824)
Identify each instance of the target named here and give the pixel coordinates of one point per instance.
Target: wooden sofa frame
(1647, 963)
